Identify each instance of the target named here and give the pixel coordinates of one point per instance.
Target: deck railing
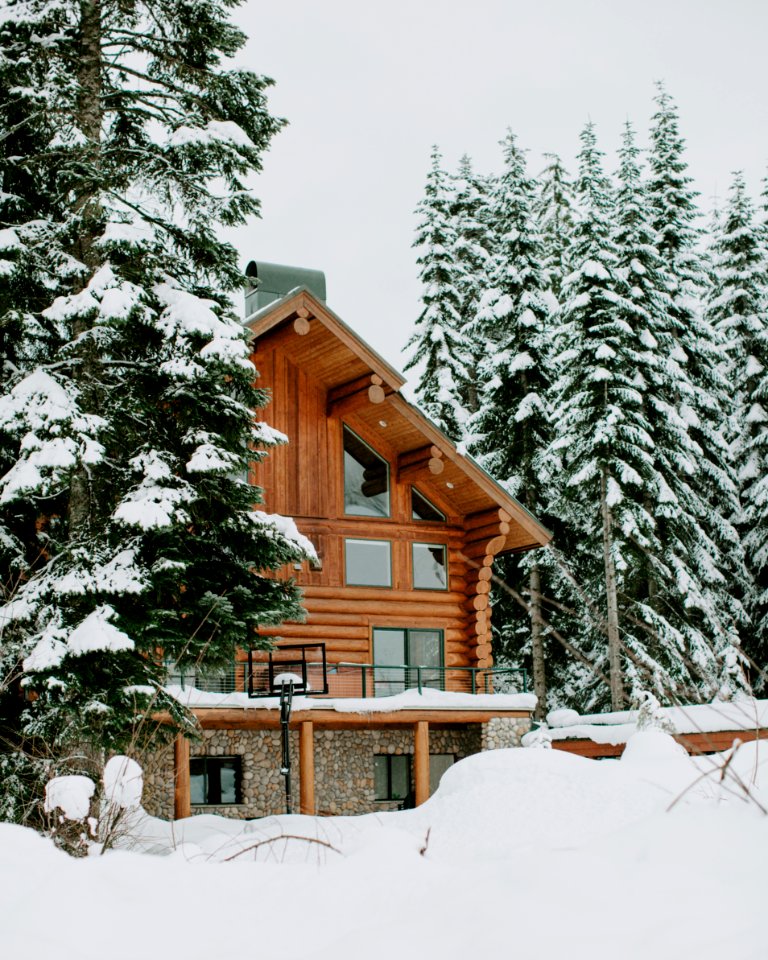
(361, 679)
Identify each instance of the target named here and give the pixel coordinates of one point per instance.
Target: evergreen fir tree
(511, 430)
(737, 308)
(556, 214)
(438, 344)
(128, 403)
(675, 583)
(471, 215)
(674, 213)
(600, 432)
(627, 451)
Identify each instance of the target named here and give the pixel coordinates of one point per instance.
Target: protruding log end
(376, 393)
(301, 326)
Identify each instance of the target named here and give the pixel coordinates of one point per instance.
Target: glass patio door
(397, 653)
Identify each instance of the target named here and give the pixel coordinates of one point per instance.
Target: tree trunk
(614, 648)
(89, 119)
(537, 644)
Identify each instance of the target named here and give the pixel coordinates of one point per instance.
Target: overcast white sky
(369, 86)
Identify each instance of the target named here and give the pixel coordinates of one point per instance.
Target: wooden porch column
(421, 761)
(307, 768)
(182, 804)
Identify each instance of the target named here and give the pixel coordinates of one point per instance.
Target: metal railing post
(365, 681)
(474, 680)
(418, 678)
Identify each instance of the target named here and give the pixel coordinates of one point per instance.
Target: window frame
(404, 678)
(388, 759)
(366, 516)
(217, 762)
(376, 586)
(415, 490)
(420, 543)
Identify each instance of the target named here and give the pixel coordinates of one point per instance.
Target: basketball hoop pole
(286, 702)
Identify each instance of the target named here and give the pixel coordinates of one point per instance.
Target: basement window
(366, 479)
(391, 776)
(215, 781)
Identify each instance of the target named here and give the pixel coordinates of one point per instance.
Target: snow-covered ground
(534, 853)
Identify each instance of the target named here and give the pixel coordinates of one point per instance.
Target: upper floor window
(366, 479)
(429, 566)
(368, 563)
(422, 509)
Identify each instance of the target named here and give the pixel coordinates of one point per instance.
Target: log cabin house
(406, 531)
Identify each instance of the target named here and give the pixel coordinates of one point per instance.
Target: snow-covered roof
(335, 355)
(742, 713)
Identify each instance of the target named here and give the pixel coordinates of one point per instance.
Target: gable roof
(338, 358)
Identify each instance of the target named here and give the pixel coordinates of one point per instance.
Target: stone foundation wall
(344, 781)
(502, 732)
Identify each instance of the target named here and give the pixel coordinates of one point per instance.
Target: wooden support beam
(355, 394)
(307, 768)
(238, 718)
(421, 761)
(486, 517)
(182, 797)
(419, 462)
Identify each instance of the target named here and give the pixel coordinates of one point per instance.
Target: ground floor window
(397, 653)
(391, 776)
(215, 780)
(438, 764)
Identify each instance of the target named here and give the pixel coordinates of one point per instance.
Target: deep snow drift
(520, 852)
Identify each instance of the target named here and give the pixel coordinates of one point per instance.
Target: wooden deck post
(307, 768)
(182, 805)
(421, 761)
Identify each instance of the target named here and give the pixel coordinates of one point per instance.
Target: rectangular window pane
(400, 776)
(425, 650)
(197, 781)
(438, 764)
(228, 781)
(368, 563)
(366, 479)
(389, 648)
(429, 568)
(381, 778)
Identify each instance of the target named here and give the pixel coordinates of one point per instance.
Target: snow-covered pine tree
(511, 430)
(674, 212)
(673, 585)
(555, 212)
(127, 142)
(598, 416)
(438, 346)
(626, 450)
(474, 244)
(737, 307)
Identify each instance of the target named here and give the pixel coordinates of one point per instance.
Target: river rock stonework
(500, 733)
(344, 764)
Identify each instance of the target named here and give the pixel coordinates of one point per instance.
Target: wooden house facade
(406, 530)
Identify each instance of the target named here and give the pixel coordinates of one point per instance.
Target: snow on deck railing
(360, 680)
